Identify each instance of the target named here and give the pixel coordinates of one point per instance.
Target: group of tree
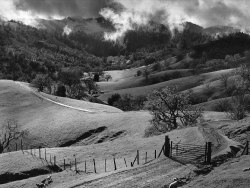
(127, 102)
(235, 43)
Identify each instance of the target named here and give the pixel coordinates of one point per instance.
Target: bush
(61, 91)
(223, 106)
(139, 73)
(114, 98)
(156, 67)
(41, 82)
(96, 77)
(127, 102)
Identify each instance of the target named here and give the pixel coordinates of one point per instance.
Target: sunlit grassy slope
(184, 83)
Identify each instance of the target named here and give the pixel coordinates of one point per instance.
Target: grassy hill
(185, 83)
(103, 132)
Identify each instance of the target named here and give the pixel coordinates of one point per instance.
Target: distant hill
(220, 30)
(193, 27)
(213, 31)
(76, 24)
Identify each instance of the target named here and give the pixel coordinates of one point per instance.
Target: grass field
(185, 83)
(89, 130)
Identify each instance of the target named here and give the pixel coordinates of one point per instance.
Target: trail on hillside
(220, 143)
(45, 98)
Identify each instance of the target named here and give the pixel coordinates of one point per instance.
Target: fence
(188, 153)
(185, 153)
(246, 149)
(79, 164)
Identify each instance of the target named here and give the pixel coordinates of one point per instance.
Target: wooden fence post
(138, 157)
(155, 154)
(54, 160)
(206, 153)
(146, 157)
(94, 165)
(39, 152)
(125, 162)
(45, 154)
(167, 147)
(85, 166)
(209, 152)
(171, 148)
(75, 165)
(247, 147)
(70, 164)
(115, 164)
(105, 165)
(176, 151)
(21, 144)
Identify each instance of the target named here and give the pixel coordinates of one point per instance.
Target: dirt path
(152, 175)
(220, 143)
(44, 98)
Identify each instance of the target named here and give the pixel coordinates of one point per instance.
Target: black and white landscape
(124, 93)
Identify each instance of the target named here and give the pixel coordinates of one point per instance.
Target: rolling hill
(69, 128)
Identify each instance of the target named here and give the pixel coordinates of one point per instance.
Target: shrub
(41, 82)
(223, 106)
(127, 102)
(61, 91)
(139, 73)
(156, 67)
(114, 98)
(96, 77)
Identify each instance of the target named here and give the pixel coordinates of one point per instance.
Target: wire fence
(94, 165)
(182, 152)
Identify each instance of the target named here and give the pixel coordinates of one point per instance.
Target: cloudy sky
(203, 12)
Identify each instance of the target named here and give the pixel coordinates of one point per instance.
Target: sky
(124, 13)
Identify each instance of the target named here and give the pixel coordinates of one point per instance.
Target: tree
(224, 80)
(96, 77)
(108, 77)
(70, 77)
(171, 109)
(91, 86)
(10, 132)
(61, 91)
(77, 91)
(41, 82)
(146, 73)
(239, 98)
(115, 97)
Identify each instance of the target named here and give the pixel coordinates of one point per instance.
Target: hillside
(58, 121)
(185, 83)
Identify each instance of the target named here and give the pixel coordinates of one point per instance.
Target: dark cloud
(65, 8)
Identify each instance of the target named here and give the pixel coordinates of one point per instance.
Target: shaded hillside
(227, 45)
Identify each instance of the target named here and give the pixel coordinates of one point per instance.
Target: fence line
(179, 151)
(96, 166)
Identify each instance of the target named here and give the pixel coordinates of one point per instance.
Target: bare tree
(224, 79)
(171, 109)
(9, 133)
